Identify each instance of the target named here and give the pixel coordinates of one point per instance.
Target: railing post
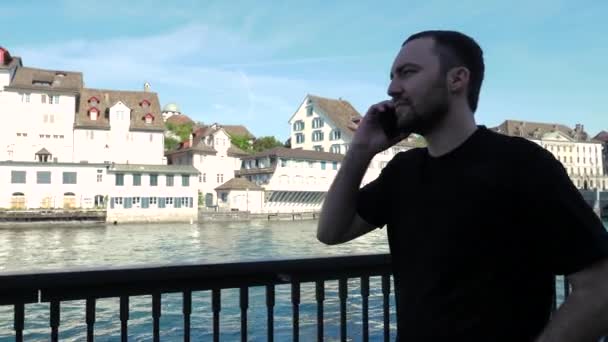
(244, 299)
(365, 307)
(320, 297)
(156, 315)
(295, 300)
(19, 321)
(216, 305)
(124, 318)
(386, 290)
(90, 318)
(55, 320)
(187, 310)
(270, 311)
(342, 293)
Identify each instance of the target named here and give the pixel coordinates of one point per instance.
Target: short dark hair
(457, 49)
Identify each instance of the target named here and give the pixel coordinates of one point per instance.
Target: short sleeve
(374, 198)
(571, 235)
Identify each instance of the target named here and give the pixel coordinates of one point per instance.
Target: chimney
(106, 97)
(147, 87)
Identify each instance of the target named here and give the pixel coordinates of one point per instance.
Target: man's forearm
(582, 317)
(339, 206)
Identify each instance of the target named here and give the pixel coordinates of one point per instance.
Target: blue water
(43, 248)
(30, 248)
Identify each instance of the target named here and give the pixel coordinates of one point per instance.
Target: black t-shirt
(477, 235)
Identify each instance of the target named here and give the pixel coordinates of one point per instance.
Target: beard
(426, 117)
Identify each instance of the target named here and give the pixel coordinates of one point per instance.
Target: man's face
(418, 87)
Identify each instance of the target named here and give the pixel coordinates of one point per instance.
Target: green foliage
(265, 143)
(241, 142)
(183, 131)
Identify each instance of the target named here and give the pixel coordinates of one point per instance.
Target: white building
(581, 157)
(38, 107)
(241, 195)
(326, 125)
(210, 151)
(294, 180)
(64, 146)
(119, 127)
(35, 185)
(152, 193)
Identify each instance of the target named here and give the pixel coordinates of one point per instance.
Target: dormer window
(93, 101)
(41, 83)
(60, 74)
(149, 118)
(93, 113)
(144, 104)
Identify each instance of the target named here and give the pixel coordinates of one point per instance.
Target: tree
(241, 141)
(182, 131)
(265, 143)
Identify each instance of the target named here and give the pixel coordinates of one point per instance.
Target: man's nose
(393, 89)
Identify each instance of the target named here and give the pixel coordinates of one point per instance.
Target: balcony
(91, 285)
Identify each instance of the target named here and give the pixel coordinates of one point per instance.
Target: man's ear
(458, 79)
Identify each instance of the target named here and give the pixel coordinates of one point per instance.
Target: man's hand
(369, 135)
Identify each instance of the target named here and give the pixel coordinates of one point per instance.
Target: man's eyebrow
(403, 66)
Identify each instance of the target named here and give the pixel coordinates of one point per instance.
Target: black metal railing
(54, 287)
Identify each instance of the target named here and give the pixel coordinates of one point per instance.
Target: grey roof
(239, 184)
(533, 130)
(141, 168)
(51, 164)
(43, 151)
(602, 136)
(293, 153)
(46, 80)
(135, 100)
(340, 112)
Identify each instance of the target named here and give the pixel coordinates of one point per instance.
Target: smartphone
(388, 121)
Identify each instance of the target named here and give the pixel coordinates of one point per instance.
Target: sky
(253, 62)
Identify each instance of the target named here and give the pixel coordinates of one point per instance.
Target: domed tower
(169, 110)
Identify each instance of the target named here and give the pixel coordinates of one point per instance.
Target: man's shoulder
(515, 147)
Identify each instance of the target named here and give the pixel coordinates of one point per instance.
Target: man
(478, 223)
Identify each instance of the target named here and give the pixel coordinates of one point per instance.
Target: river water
(30, 248)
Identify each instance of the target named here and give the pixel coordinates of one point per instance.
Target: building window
(169, 180)
(153, 200)
(69, 178)
(153, 180)
(335, 149)
(319, 148)
(185, 180)
(204, 178)
(43, 98)
(120, 179)
(169, 200)
(317, 136)
(335, 135)
(323, 165)
(53, 99)
(99, 176)
(298, 125)
(335, 165)
(220, 178)
(151, 137)
(224, 197)
(25, 98)
(299, 138)
(317, 123)
(43, 177)
(309, 110)
(18, 177)
(136, 180)
(118, 200)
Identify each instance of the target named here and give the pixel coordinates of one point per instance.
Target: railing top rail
(110, 282)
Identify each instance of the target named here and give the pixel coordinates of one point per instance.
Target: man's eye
(407, 72)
